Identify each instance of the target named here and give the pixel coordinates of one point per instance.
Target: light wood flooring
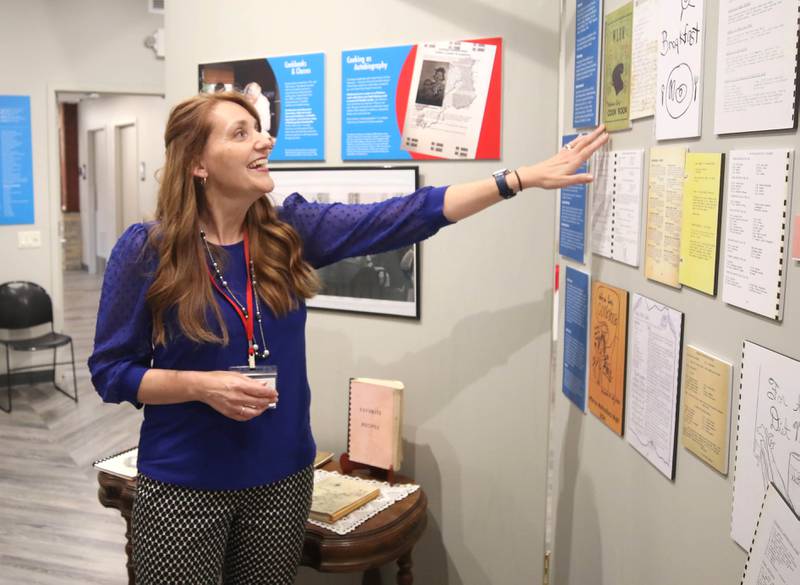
(53, 530)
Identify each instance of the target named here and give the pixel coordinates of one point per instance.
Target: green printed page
(617, 68)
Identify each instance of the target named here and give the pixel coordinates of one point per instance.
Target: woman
(220, 280)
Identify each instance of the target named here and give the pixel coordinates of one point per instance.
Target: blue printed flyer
(588, 34)
(287, 92)
(572, 216)
(16, 161)
(576, 319)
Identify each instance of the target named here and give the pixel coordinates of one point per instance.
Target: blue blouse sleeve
(122, 343)
(331, 232)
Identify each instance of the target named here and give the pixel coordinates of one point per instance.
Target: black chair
(24, 305)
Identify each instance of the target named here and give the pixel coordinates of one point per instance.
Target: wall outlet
(29, 239)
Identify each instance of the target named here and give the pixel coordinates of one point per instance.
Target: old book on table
(337, 495)
(121, 464)
(375, 423)
(322, 458)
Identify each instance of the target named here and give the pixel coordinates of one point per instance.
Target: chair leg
(74, 378)
(8, 381)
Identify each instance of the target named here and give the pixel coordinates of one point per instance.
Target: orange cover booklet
(375, 422)
(608, 335)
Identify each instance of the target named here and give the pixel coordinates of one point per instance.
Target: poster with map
(448, 98)
(435, 100)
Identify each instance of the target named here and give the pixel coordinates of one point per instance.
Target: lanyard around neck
(246, 319)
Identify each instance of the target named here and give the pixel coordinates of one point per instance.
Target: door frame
(53, 202)
(118, 203)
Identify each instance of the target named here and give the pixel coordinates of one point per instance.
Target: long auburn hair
(181, 279)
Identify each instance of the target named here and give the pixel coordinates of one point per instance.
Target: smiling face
(234, 159)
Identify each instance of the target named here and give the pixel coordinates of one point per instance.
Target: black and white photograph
(385, 283)
(432, 83)
(252, 77)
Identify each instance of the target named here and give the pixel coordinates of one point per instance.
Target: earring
(203, 181)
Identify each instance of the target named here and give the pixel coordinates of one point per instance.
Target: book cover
(337, 495)
(375, 422)
(608, 338)
(617, 70)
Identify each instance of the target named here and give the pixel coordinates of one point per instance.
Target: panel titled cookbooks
(433, 100)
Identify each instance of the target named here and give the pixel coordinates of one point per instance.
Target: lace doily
(389, 495)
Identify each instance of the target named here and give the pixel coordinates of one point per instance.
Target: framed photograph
(384, 284)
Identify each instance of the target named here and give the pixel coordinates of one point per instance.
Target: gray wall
(90, 45)
(619, 521)
(476, 367)
(80, 45)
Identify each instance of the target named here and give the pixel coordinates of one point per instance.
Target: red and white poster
(436, 100)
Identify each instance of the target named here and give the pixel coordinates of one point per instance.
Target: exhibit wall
(46, 49)
(476, 365)
(618, 520)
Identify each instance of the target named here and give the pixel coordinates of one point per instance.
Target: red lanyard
(247, 321)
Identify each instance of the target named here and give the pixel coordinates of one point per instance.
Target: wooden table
(387, 537)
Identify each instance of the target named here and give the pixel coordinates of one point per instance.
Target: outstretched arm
(465, 199)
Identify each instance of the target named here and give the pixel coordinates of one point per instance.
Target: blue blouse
(191, 444)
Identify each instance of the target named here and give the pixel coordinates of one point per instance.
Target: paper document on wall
(644, 59)
(768, 436)
(756, 66)
(651, 420)
(796, 238)
(617, 205)
(775, 553)
(706, 397)
(445, 110)
(608, 339)
(679, 90)
(664, 203)
(701, 212)
(759, 191)
(617, 68)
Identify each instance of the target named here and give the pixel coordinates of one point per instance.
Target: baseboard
(27, 378)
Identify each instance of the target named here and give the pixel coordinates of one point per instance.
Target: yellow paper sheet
(702, 189)
(706, 407)
(664, 201)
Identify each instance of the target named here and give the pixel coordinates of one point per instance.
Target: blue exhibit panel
(301, 83)
(16, 161)
(572, 216)
(586, 97)
(369, 114)
(576, 317)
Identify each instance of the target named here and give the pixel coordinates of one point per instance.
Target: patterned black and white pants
(183, 536)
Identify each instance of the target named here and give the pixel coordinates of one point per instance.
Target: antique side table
(387, 537)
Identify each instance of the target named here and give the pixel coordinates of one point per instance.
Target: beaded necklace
(243, 310)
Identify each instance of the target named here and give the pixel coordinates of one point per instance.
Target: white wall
(620, 521)
(149, 113)
(77, 45)
(476, 366)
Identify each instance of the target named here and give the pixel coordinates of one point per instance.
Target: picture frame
(381, 284)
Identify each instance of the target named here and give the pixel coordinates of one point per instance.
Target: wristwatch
(502, 185)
